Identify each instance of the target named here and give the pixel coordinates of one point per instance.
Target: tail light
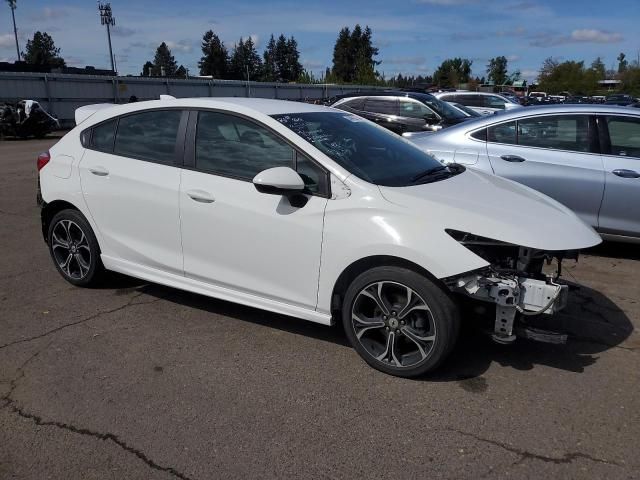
(43, 159)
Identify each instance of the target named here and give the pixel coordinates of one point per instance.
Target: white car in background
(481, 102)
(306, 211)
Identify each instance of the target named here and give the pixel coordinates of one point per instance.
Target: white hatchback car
(306, 211)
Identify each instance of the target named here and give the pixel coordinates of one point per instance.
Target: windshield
(442, 108)
(364, 149)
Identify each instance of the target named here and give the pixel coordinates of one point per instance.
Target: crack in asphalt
(526, 455)
(82, 320)
(11, 403)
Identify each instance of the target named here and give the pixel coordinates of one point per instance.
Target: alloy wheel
(71, 250)
(393, 324)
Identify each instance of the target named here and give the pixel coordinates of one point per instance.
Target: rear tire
(74, 249)
(399, 321)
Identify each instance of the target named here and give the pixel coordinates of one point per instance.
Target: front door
(238, 238)
(620, 212)
(554, 154)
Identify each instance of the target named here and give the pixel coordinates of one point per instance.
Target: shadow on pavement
(629, 251)
(593, 323)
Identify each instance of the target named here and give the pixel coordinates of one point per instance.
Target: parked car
(401, 112)
(481, 102)
(306, 211)
(26, 118)
(468, 111)
(620, 99)
(585, 156)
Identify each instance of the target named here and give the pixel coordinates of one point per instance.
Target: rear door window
(560, 132)
(503, 133)
(381, 105)
(149, 136)
(103, 136)
(624, 135)
(493, 101)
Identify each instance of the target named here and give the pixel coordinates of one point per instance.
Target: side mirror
(278, 181)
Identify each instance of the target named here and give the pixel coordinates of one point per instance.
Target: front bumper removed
(515, 295)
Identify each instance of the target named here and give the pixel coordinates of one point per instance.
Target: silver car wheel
(71, 250)
(393, 324)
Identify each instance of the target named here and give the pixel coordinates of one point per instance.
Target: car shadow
(592, 322)
(612, 249)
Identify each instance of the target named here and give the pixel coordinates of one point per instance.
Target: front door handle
(512, 158)
(624, 173)
(100, 171)
(200, 196)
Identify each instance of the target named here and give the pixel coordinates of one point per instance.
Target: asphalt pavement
(139, 381)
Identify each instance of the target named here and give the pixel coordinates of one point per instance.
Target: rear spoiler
(85, 112)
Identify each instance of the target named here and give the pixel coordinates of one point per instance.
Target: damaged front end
(520, 282)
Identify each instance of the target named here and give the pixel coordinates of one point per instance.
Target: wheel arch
(49, 210)
(366, 263)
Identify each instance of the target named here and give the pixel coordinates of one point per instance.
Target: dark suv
(401, 111)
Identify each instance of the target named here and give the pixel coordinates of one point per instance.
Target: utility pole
(12, 6)
(107, 19)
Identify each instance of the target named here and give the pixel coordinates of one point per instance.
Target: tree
(294, 67)
(215, 58)
(622, 62)
(245, 63)
(181, 72)
(269, 68)
(452, 72)
(570, 76)
(164, 64)
(354, 56)
(342, 57)
(147, 69)
(599, 68)
(497, 70)
(364, 53)
(42, 51)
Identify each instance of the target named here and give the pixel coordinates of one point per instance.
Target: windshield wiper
(428, 173)
(439, 172)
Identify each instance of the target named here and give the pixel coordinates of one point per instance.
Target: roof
(541, 110)
(248, 106)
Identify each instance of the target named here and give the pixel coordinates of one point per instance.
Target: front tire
(74, 249)
(399, 321)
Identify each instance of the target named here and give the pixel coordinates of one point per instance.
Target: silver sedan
(585, 156)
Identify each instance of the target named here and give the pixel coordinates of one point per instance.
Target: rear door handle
(100, 171)
(200, 196)
(512, 158)
(624, 173)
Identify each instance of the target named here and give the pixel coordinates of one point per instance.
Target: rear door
(620, 212)
(554, 154)
(130, 181)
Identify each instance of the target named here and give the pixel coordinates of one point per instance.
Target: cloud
(513, 58)
(584, 35)
(123, 32)
(7, 40)
(417, 60)
(184, 46)
(447, 3)
(48, 13)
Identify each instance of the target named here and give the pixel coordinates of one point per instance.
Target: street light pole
(12, 5)
(106, 18)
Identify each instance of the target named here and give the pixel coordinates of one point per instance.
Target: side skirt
(190, 285)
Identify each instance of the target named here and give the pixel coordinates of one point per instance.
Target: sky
(413, 36)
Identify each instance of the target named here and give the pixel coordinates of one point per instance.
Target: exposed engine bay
(515, 282)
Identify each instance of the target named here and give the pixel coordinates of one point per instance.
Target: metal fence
(61, 94)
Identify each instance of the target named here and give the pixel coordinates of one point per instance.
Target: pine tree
(42, 51)
(164, 63)
(215, 58)
(269, 68)
(147, 69)
(245, 61)
(294, 67)
(181, 72)
(342, 58)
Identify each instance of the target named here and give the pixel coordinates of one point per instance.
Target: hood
(496, 208)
